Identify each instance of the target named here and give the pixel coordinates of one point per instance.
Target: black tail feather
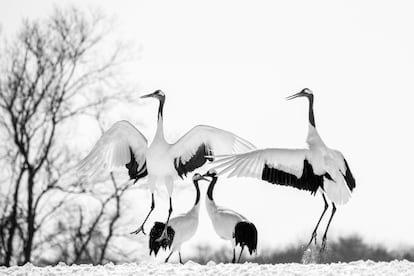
(155, 233)
(349, 178)
(245, 234)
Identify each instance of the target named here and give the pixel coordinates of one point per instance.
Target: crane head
(198, 177)
(211, 173)
(158, 94)
(305, 92)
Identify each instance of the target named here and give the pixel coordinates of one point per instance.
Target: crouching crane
(228, 224)
(180, 229)
(315, 169)
(124, 145)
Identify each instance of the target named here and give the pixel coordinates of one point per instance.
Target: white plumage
(224, 220)
(317, 168)
(185, 226)
(123, 144)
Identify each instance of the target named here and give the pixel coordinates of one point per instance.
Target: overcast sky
(230, 64)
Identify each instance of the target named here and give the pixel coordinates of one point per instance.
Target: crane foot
(139, 229)
(313, 238)
(323, 246)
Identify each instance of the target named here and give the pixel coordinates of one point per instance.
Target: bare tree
(50, 73)
(88, 237)
(92, 235)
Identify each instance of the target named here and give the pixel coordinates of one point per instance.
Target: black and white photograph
(195, 137)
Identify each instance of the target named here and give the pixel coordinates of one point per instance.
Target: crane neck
(161, 107)
(211, 188)
(311, 115)
(160, 122)
(313, 139)
(197, 193)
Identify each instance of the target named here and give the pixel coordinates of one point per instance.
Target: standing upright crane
(228, 224)
(124, 145)
(315, 169)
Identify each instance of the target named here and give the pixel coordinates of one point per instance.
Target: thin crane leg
(141, 228)
(169, 214)
(166, 260)
(164, 232)
(327, 227)
(234, 255)
(313, 237)
(241, 251)
(179, 255)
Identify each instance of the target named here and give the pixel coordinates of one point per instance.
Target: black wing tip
(155, 233)
(349, 178)
(132, 167)
(245, 234)
(196, 161)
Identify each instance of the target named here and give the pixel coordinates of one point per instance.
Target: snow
(191, 268)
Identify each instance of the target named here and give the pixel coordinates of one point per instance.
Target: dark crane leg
(166, 260)
(141, 228)
(164, 232)
(241, 251)
(327, 227)
(234, 255)
(319, 221)
(179, 255)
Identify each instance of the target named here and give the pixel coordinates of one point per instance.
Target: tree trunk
(30, 218)
(13, 221)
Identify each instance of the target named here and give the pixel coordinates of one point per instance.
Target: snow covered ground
(191, 268)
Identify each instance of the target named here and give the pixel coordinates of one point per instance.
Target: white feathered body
(224, 220)
(159, 163)
(185, 226)
(326, 160)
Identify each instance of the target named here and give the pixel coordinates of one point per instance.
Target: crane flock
(124, 145)
(316, 169)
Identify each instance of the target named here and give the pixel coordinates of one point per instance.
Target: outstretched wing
(121, 145)
(287, 167)
(190, 151)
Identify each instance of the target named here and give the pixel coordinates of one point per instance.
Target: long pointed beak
(147, 96)
(202, 177)
(300, 94)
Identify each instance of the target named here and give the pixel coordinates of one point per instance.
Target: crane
(161, 162)
(228, 224)
(180, 229)
(315, 169)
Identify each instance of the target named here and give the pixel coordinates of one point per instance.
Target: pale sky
(230, 64)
